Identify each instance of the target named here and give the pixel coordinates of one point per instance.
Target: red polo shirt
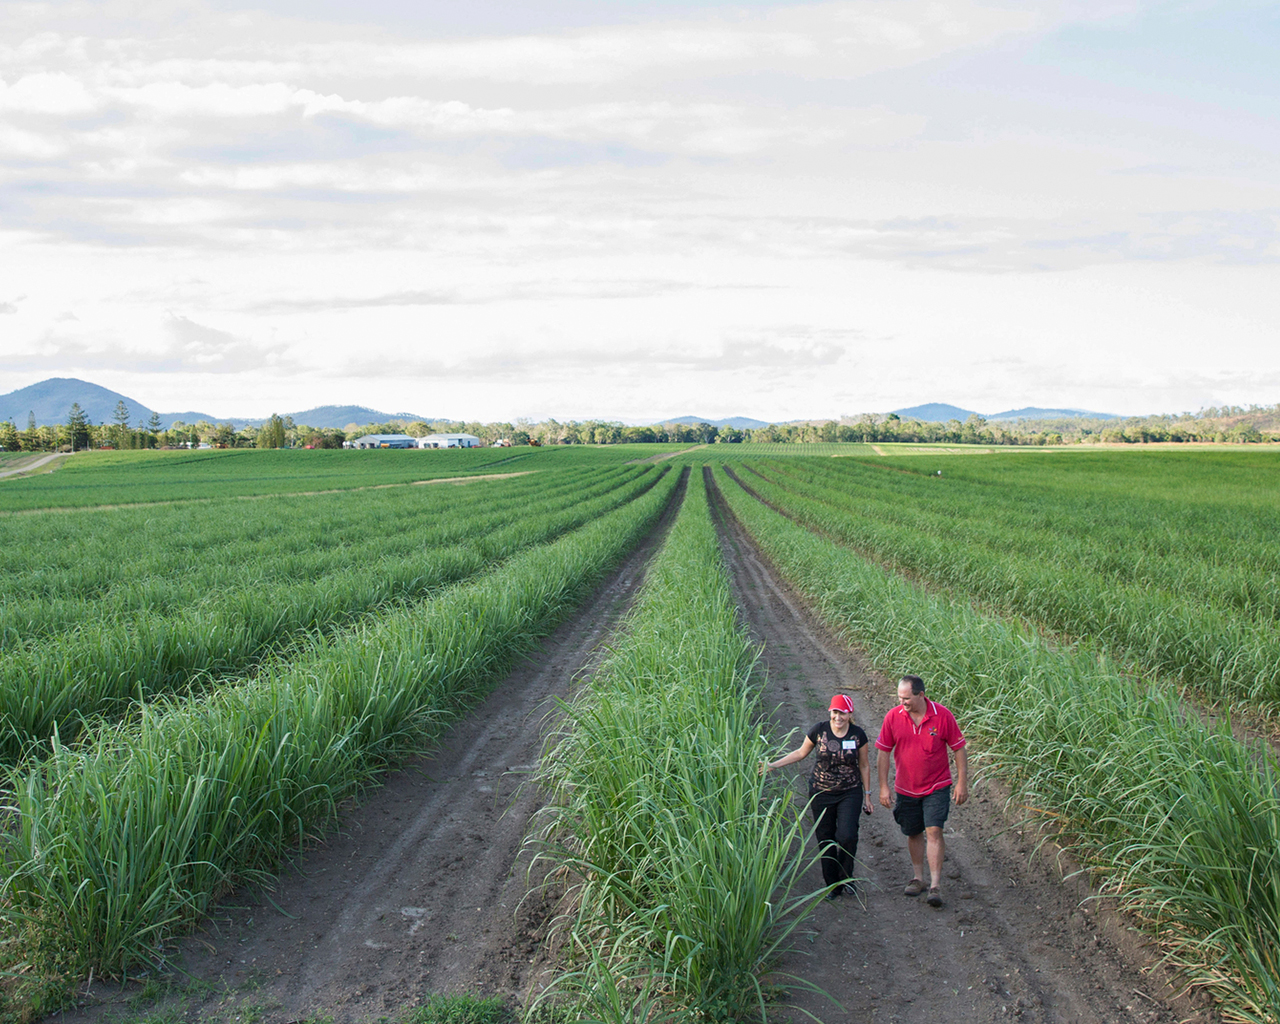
(920, 751)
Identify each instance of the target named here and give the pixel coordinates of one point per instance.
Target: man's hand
(886, 800)
(962, 792)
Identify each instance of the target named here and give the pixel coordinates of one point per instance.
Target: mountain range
(939, 412)
(50, 400)
(736, 422)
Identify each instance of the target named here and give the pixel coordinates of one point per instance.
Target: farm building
(449, 441)
(383, 441)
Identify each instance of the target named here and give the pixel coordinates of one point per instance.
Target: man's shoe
(935, 897)
(913, 888)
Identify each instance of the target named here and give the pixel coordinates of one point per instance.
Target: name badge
(849, 744)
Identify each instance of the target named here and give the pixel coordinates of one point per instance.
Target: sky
(632, 211)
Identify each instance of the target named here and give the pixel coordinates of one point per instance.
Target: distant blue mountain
(1032, 412)
(51, 400)
(340, 415)
(736, 422)
(938, 412)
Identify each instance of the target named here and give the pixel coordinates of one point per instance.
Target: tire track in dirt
(424, 889)
(1013, 941)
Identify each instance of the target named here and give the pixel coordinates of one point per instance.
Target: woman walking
(839, 789)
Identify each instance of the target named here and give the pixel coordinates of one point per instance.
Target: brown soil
(425, 889)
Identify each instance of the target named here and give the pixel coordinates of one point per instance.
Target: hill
(50, 401)
(736, 422)
(1035, 413)
(940, 412)
(935, 412)
(338, 416)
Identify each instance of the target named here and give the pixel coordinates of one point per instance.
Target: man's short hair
(917, 684)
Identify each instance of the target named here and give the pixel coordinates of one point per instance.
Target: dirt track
(424, 889)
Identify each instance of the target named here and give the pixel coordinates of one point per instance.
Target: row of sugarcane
(96, 479)
(59, 571)
(101, 668)
(1173, 614)
(1175, 818)
(121, 840)
(686, 862)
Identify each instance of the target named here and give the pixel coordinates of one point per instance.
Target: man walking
(918, 733)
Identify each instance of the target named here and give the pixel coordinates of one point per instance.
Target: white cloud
(29, 145)
(194, 346)
(56, 93)
(792, 207)
(182, 346)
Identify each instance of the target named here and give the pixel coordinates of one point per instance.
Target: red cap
(841, 703)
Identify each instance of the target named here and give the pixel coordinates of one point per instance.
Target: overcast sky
(632, 210)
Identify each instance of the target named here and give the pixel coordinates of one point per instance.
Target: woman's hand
(764, 767)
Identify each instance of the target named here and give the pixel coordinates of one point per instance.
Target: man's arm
(882, 769)
(962, 775)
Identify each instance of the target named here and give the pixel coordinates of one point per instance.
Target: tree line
(78, 433)
(1228, 424)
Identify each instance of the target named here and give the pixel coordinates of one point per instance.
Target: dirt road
(31, 467)
(424, 889)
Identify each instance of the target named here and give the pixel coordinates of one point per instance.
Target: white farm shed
(449, 441)
(383, 441)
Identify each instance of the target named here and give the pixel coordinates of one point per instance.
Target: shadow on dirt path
(423, 890)
(1012, 940)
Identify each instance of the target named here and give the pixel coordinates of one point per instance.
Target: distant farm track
(31, 466)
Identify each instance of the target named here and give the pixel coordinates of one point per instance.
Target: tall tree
(77, 428)
(271, 435)
(8, 436)
(31, 436)
(120, 432)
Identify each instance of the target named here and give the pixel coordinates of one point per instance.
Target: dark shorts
(916, 813)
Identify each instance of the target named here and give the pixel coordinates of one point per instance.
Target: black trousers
(837, 817)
